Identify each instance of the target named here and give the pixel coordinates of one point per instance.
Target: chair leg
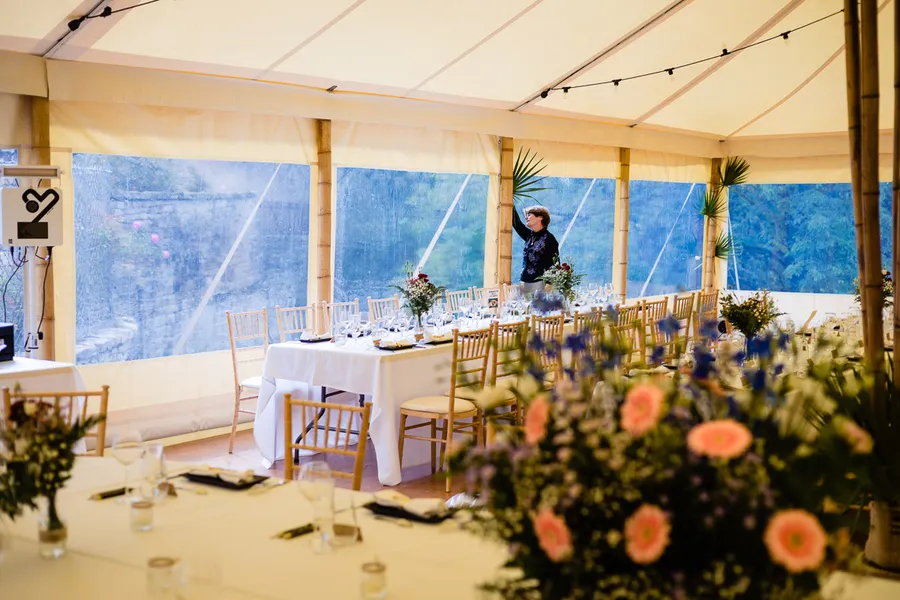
(444, 445)
(448, 439)
(433, 446)
(234, 420)
(402, 438)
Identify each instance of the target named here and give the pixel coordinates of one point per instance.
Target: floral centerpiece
(887, 289)
(40, 453)
(420, 293)
(666, 486)
(563, 278)
(751, 315)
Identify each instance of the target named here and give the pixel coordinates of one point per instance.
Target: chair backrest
(335, 312)
(652, 313)
(629, 315)
(454, 298)
(335, 439)
(549, 328)
(682, 306)
(291, 321)
(71, 405)
(509, 348)
(708, 306)
(631, 337)
(471, 350)
(507, 290)
(379, 306)
(590, 323)
(248, 334)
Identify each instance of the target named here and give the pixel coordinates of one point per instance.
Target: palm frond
(527, 175)
(713, 206)
(735, 171)
(724, 246)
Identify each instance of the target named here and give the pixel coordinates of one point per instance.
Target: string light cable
(106, 12)
(784, 35)
(23, 257)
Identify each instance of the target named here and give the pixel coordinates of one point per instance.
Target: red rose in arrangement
(423, 276)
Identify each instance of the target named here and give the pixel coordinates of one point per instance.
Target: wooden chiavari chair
(682, 309)
(507, 290)
(506, 361)
(632, 316)
(314, 412)
(248, 335)
(631, 338)
(707, 310)
(591, 323)
(652, 313)
(481, 297)
(335, 312)
(73, 406)
(296, 320)
(454, 298)
(550, 330)
(380, 306)
(468, 369)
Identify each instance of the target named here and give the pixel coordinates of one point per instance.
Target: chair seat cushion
(438, 404)
(253, 383)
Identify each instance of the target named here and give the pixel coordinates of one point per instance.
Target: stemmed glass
(127, 448)
(317, 485)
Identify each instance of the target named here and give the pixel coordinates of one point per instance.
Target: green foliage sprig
(887, 289)
(751, 315)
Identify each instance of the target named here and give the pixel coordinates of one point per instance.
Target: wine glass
(154, 475)
(317, 485)
(127, 448)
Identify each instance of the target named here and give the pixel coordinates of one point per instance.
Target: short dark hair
(541, 212)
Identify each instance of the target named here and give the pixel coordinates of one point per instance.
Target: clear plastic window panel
(582, 215)
(665, 238)
(11, 270)
(798, 237)
(385, 218)
(165, 246)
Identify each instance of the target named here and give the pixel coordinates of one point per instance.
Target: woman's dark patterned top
(541, 250)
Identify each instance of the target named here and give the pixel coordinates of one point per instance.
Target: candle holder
(374, 581)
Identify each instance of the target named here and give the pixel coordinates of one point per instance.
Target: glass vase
(52, 533)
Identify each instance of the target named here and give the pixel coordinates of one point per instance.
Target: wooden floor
(418, 482)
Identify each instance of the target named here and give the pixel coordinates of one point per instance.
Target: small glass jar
(164, 578)
(374, 581)
(141, 515)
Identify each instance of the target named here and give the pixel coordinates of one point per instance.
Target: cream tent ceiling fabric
(498, 54)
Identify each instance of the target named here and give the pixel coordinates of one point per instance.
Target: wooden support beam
(38, 275)
(324, 253)
(505, 222)
(711, 232)
(620, 231)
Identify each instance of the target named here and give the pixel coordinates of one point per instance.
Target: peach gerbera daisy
(536, 416)
(725, 438)
(796, 540)
(646, 534)
(641, 409)
(553, 535)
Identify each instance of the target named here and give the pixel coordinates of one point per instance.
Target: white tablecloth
(36, 375)
(386, 378)
(226, 538)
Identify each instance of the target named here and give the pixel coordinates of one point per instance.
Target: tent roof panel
(399, 43)
(220, 32)
(35, 18)
(550, 40)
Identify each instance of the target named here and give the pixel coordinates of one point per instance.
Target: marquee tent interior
(199, 122)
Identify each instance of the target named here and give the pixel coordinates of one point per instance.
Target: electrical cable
(18, 266)
(106, 12)
(40, 334)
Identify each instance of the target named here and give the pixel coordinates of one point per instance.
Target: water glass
(154, 475)
(127, 448)
(317, 485)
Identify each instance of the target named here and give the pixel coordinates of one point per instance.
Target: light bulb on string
(671, 73)
(786, 37)
(565, 93)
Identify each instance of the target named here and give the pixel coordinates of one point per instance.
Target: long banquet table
(225, 537)
(386, 378)
(225, 540)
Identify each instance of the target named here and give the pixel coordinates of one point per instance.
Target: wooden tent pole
(38, 276)
(874, 349)
(504, 240)
(324, 272)
(622, 209)
(895, 192)
(851, 42)
(710, 234)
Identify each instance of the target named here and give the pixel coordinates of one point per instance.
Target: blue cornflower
(757, 379)
(779, 369)
(759, 346)
(702, 363)
(576, 342)
(536, 372)
(783, 340)
(552, 348)
(709, 329)
(669, 325)
(535, 343)
(657, 355)
(612, 313)
(587, 365)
